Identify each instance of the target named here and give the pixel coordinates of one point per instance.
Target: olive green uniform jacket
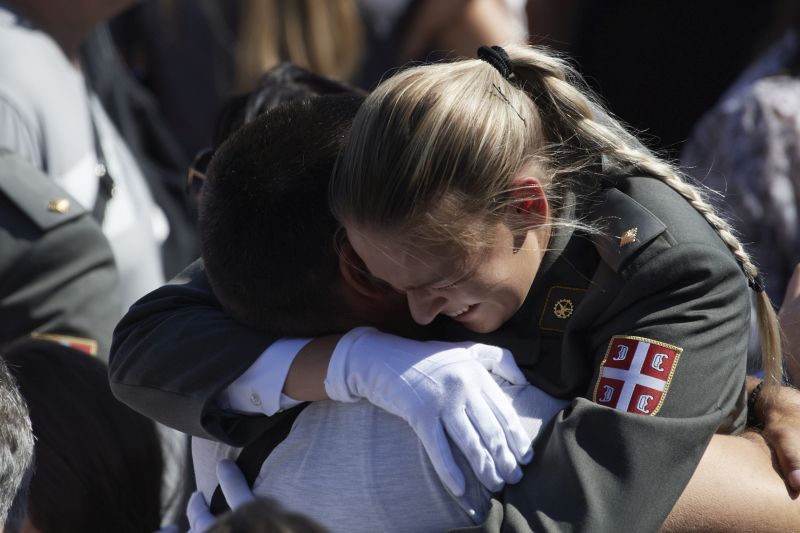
(656, 302)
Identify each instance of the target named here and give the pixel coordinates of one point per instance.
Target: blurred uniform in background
(56, 268)
(49, 116)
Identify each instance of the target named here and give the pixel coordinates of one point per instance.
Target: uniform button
(255, 399)
(58, 205)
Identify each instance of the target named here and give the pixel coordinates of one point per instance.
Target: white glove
(436, 386)
(234, 487)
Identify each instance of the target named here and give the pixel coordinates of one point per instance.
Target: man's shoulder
(34, 69)
(26, 41)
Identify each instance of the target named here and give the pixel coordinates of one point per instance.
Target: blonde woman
(497, 192)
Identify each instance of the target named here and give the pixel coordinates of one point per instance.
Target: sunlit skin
(482, 291)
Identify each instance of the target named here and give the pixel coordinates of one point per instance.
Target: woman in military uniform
(500, 194)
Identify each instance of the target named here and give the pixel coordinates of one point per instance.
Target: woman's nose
(424, 305)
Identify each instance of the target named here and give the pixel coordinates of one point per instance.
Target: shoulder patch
(626, 225)
(635, 374)
(42, 200)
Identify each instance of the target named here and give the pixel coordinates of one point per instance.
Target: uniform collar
(571, 257)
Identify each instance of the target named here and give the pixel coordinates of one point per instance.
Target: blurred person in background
(16, 453)
(193, 55)
(747, 148)
(399, 31)
(51, 117)
(56, 267)
(98, 463)
(139, 120)
(658, 65)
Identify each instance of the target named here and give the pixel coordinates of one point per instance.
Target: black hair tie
(498, 58)
(756, 283)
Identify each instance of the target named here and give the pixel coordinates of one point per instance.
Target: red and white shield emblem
(635, 374)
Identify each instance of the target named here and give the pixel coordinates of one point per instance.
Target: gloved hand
(437, 386)
(234, 487)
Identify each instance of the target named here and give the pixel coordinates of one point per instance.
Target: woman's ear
(356, 275)
(529, 201)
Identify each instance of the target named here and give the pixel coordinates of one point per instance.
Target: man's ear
(356, 275)
(529, 201)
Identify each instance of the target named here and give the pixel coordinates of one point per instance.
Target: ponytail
(568, 109)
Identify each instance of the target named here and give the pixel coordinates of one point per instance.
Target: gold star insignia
(628, 237)
(59, 205)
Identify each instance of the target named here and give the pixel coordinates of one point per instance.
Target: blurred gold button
(59, 205)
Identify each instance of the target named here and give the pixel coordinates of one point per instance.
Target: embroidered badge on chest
(559, 305)
(635, 374)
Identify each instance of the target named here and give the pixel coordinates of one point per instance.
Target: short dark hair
(266, 231)
(16, 452)
(98, 462)
(265, 515)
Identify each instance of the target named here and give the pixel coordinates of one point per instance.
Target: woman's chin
(479, 323)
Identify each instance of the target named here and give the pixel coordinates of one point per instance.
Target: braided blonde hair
(414, 163)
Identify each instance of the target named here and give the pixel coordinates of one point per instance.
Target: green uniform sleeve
(604, 469)
(176, 350)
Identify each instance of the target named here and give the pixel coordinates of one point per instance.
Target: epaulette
(626, 226)
(42, 200)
